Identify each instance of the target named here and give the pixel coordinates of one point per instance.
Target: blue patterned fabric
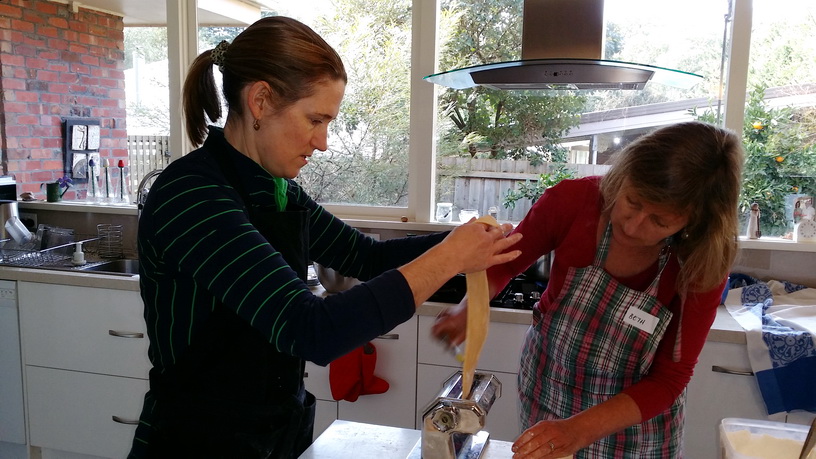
(782, 354)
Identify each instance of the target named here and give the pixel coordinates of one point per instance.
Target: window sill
(79, 206)
(776, 243)
(764, 243)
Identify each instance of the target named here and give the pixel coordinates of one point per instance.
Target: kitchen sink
(126, 266)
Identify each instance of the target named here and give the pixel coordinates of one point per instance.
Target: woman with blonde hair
(640, 260)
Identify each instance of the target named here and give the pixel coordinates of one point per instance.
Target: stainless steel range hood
(562, 45)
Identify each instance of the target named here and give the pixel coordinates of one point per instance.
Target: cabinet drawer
(317, 381)
(503, 418)
(722, 387)
(73, 411)
(501, 351)
(86, 329)
(396, 363)
(325, 414)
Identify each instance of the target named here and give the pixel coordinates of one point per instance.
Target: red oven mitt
(352, 375)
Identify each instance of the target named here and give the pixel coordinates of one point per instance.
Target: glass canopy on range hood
(563, 74)
(562, 45)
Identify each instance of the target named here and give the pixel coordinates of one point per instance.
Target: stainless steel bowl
(333, 281)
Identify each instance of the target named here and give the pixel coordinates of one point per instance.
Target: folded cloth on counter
(352, 375)
(779, 319)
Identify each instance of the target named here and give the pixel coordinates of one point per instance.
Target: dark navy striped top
(197, 248)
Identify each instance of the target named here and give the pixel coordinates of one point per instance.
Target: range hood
(561, 48)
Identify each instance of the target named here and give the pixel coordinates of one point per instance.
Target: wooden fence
(483, 183)
(146, 153)
(467, 183)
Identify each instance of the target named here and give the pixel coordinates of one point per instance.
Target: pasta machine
(452, 423)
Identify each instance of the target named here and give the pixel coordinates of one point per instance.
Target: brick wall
(56, 63)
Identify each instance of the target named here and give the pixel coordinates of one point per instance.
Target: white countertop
(345, 439)
(70, 277)
(725, 328)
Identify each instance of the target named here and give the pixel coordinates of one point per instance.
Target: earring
(257, 125)
(685, 234)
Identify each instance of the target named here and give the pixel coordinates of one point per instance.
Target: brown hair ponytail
(281, 51)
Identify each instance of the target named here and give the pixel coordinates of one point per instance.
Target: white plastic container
(466, 214)
(444, 211)
(755, 439)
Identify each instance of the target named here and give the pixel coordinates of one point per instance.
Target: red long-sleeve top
(565, 220)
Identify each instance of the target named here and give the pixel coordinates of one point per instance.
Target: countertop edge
(724, 329)
(75, 278)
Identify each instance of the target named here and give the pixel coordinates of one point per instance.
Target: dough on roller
(478, 318)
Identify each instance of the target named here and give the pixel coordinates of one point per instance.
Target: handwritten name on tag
(640, 319)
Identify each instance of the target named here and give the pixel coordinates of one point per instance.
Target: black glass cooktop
(521, 293)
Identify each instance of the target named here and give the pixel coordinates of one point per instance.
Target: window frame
(423, 99)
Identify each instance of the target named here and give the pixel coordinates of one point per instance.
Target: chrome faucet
(143, 189)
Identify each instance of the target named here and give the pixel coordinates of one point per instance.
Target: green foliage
(148, 43)
(524, 125)
(367, 161)
(533, 190)
(780, 160)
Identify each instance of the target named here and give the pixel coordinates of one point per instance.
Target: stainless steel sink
(126, 266)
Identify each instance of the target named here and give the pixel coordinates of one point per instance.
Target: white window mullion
(182, 49)
(422, 131)
(738, 61)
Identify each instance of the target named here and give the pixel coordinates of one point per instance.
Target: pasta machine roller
(452, 423)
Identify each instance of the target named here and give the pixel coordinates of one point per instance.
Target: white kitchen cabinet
(397, 364)
(500, 356)
(83, 412)
(722, 387)
(800, 417)
(85, 367)
(316, 381)
(12, 425)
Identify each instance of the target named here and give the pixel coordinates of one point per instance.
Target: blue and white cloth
(779, 319)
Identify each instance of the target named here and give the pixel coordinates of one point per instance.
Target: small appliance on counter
(8, 188)
(452, 423)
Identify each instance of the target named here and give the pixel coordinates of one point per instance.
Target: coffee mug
(52, 192)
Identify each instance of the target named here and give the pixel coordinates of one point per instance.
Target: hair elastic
(217, 54)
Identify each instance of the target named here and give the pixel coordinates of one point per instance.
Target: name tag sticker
(640, 319)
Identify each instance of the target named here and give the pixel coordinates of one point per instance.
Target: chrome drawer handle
(728, 371)
(389, 336)
(119, 420)
(122, 334)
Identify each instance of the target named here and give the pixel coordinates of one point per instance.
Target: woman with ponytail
(225, 239)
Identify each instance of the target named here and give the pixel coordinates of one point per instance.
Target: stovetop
(520, 293)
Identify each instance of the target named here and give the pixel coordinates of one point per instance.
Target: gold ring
(552, 447)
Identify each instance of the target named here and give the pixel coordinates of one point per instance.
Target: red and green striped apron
(587, 347)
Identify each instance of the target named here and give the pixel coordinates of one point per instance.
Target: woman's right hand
(469, 248)
(476, 246)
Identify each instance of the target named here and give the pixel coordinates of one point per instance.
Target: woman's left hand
(451, 325)
(547, 439)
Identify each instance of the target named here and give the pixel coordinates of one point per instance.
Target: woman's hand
(546, 440)
(451, 324)
(559, 438)
(469, 248)
(477, 246)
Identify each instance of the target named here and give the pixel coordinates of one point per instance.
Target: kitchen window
(484, 134)
(402, 144)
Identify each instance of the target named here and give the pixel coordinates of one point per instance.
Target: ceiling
(154, 12)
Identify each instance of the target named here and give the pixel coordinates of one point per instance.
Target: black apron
(232, 395)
